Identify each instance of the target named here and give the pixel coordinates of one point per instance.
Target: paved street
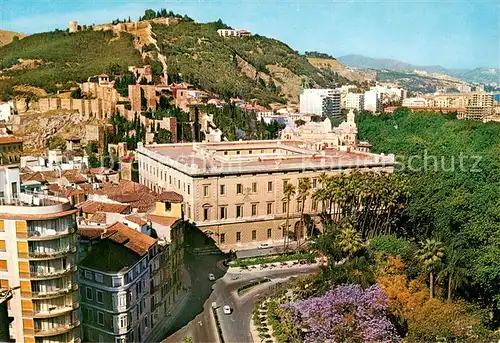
(236, 326)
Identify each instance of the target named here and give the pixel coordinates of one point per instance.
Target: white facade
(6, 110)
(320, 101)
(415, 102)
(372, 101)
(355, 101)
(10, 187)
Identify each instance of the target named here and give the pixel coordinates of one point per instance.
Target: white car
(263, 246)
(226, 309)
(211, 277)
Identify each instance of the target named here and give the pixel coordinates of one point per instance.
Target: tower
(73, 26)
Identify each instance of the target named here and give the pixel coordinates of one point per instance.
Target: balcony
(60, 329)
(45, 255)
(57, 311)
(47, 274)
(54, 294)
(35, 235)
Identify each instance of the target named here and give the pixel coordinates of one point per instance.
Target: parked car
(263, 246)
(211, 277)
(227, 309)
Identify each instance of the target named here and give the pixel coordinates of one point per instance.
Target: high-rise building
(479, 106)
(322, 102)
(38, 263)
(355, 101)
(372, 101)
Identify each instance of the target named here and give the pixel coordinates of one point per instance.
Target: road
(236, 326)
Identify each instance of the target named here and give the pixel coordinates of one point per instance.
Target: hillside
(417, 82)
(337, 67)
(59, 59)
(7, 36)
(478, 75)
(253, 67)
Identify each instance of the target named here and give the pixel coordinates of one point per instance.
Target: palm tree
(350, 240)
(430, 255)
(454, 271)
(304, 190)
(288, 193)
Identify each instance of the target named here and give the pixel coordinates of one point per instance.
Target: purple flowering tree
(348, 314)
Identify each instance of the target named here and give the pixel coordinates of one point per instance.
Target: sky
(453, 34)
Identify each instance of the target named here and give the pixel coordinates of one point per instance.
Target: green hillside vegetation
(455, 189)
(197, 54)
(66, 58)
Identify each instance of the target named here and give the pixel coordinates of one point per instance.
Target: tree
(303, 193)
(91, 147)
(56, 142)
(76, 94)
(347, 313)
(454, 270)
(350, 240)
(430, 255)
(163, 136)
(288, 193)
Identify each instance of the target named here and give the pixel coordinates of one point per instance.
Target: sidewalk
(159, 332)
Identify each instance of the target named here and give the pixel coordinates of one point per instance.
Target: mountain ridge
(477, 75)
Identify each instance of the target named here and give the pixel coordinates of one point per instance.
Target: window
(314, 183)
(205, 190)
(269, 186)
(314, 205)
(238, 236)
(2, 245)
(99, 296)
(285, 182)
(239, 211)
(170, 179)
(90, 315)
(98, 277)
(179, 184)
(206, 213)
(168, 206)
(222, 189)
(122, 321)
(88, 293)
(254, 209)
(284, 207)
(223, 212)
(189, 189)
(269, 233)
(254, 187)
(225, 152)
(117, 282)
(269, 208)
(88, 275)
(222, 238)
(239, 188)
(100, 318)
(237, 152)
(299, 205)
(254, 235)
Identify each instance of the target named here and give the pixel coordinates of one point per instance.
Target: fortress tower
(73, 26)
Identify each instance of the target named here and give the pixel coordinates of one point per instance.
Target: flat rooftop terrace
(257, 157)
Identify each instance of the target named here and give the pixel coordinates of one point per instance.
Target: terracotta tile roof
(162, 220)
(134, 240)
(101, 171)
(76, 178)
(45, 216)
(54, 188)
(97, 218)
(135, 219)
(9, 140)
(90, 233)
(170, 196)
(90, 206)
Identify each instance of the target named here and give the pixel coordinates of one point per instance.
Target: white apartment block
(372, 101)
(355, 101)
(415, 102)
(320, 102)
(6, 110)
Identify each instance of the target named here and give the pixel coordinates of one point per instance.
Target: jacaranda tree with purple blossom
(348, 314)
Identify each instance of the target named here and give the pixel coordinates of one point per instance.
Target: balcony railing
(37, 235)
(42, 274)
(41, 332)
(56, 293)
(52, 254)
(56, 311)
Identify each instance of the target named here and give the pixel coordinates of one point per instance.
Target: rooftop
(90, 206)
(266, 156)
(120, 248)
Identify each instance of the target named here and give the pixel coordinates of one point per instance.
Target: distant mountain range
(479, 75)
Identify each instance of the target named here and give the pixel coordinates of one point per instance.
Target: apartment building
(129, 281)
(320, 102)
(233, 191)
(479, 106)
(372, 101)
(355, 101)
(38, 263)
